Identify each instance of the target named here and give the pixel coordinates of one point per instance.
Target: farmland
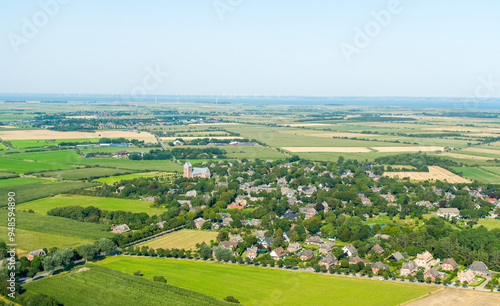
(183, 239)
(114, 179)
(83, 174)
(28, 192)
(93, 287)
(259, 286)
(478, 174)
(57, 226)
(42, 206)
(435, 173)
(22, 166)
(32, 240)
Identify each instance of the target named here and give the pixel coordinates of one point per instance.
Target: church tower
(188, 170)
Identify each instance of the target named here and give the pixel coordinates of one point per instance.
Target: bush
(137, 273)
(232, 299)
(160, 279)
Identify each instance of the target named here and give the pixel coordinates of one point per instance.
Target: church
(191, 172)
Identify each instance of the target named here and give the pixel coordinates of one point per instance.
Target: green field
(84, 173)
(183, 239)
(5, 175)
(22, 166)
(264, 286)
(57, 156)
(21, 181)
(140, 165)
(114, 179)
(57, 226)
(103, 286)
(29, 192)
(21, 144)
(42, 206)
(32, 240)
(478, 174)
(489, 223)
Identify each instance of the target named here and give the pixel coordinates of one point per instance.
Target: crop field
(452, 297)
(32, 240)
(6, 175)
(22, 166)
(84, 173)
(50, 134)
(58, 156)
(114, 179)
(21, 181)
(103, 286)
(36, 143)
(139, 165)
(42, 206)
(183, 239)
(253, 152)
(478, 174)
(435, 173)
(57, 226)
(265, 286)
(29, 192)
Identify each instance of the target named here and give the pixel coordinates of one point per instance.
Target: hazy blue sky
(288, 47)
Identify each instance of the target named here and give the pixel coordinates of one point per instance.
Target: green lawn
(489, 223)
(264, 286)
(113, 179)
(42, 206)
(31, 240)
(102, 286)
(478, 174)
(57, 156)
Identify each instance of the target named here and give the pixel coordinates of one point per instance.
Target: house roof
(252, 249)
(377, 248)
(229, 244)
(380, 265)
(478, 266)
(314, 239)
(397, 256)
(351, 248)
(451, 262)
(329, 259)
(409, 265)
(279, 252)
(307, 253)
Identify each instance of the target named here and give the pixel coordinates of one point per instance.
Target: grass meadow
(478, 174)
(29, 192)
(266, 286)
(84, 173)
(115, 179)
(183, 239)
(42, 206)
(57, 226)
(103, 286)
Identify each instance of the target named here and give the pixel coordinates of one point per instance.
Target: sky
(445, 48)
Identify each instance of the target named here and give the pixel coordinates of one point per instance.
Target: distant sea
(413, 102)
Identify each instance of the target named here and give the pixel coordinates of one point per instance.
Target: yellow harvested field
(480, 150)
(49, 134)
(7, 127)
(464, 156)
(183, 239)
(328, 149)
(435, 173)
(452, 297)
(408, 149)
